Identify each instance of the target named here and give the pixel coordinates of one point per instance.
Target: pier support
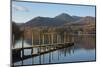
(43, 38)
(32, 42)
(13, 40)
(64, 37)
(22, 47)
(58, 39)
(52, 38)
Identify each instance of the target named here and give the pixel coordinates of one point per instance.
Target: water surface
(83, 50)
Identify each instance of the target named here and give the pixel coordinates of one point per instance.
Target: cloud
(20, 8)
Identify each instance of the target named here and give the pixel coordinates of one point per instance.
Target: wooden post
(39, 38)
(57, 39)
(52, 38)
(32, 46)
(43, 43)
(60, 39)
(13, 40)
(43, 39)
(49, 38)
(64, 37)
(52, 35)
(39, 42)
(50, 41)
(40, 49)
(73, 39)
(32, 41)
(68, 38)
(22, 47)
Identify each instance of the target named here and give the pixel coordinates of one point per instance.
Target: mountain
(76, 18)
(44, 21)
(64, 17)
(85, 20)
(67, 17)
(85, 24)
(59, 20)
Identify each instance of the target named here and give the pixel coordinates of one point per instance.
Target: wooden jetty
(62, 42)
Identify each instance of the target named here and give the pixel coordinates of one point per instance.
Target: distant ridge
(59, 20)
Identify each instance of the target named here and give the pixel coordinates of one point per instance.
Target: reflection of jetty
(63, 40)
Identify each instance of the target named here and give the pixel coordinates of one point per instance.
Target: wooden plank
(46, 45)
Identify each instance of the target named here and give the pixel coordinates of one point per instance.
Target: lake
(83, 50)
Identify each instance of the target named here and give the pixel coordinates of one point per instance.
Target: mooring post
(50, 42)
(22, 46)
(68, 38)
(32, 41)
(39, 41)
(13, 40)
(32, 46)
(52, 38)
(57, 39)
(40, 49)
(64, 37)
(39, 38)
(72, 39)
(49, 36)
(43, 39)
(43, 43)
(52, 35)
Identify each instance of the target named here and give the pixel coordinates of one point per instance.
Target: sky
(25, 11)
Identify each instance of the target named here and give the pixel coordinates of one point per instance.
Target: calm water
(83, 50)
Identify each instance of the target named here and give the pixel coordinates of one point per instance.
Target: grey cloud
(20, 8)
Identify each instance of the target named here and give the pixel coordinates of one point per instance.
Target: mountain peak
(38, 17)
(65, 17)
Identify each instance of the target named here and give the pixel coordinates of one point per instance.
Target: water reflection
(83, 50)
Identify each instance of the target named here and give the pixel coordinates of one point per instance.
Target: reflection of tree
(16, 33)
